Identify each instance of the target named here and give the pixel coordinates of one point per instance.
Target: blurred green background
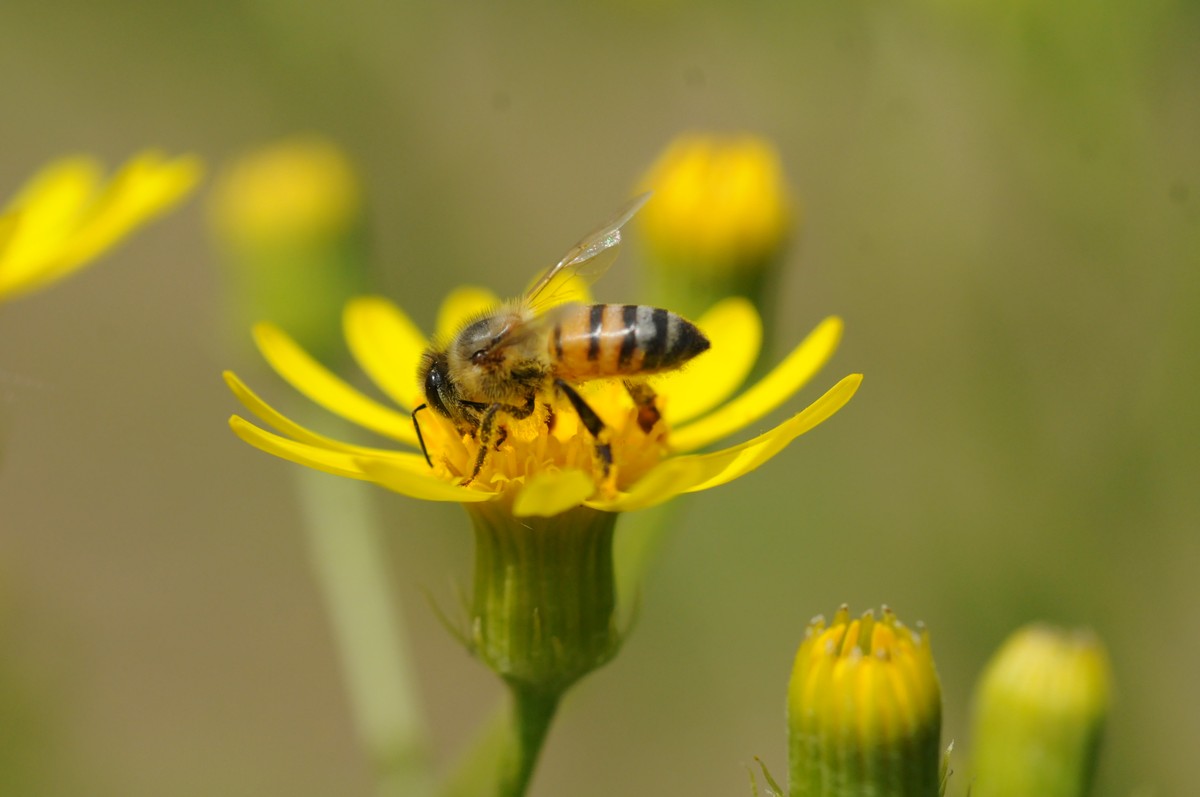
(1002, 200)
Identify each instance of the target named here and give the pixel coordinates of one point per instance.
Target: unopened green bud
(864, 710)
(1040, 707)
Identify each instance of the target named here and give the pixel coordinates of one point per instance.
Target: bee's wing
(583, 263)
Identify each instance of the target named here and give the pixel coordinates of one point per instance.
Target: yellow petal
(387, 345)
(553, 492)
(735, 331)
(282, 423)
(726, 465)
(461, 306)
(419, 482)
(775, 388)
(324, 388)
(336, 462)
(665, 481)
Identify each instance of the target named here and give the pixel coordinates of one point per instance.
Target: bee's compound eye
(477, 357)
(434, 381)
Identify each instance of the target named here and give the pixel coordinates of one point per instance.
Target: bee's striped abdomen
(606, 340)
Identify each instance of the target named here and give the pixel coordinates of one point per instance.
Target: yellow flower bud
(300, 188)
(1040, 708)
(288, 218)
(719, 220)
(864, 710)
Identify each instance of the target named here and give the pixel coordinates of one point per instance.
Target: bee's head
(435, 375)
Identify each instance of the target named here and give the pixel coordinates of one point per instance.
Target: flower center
(552, 438)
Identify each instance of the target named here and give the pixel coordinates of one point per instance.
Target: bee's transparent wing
(583, 263)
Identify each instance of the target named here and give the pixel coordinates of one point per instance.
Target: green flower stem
(542, 615)
(690, 290)
(533, 711)
(348, 556)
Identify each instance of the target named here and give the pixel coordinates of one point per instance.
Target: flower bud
(1040, 707)
(289, 220)
(718, 223)
(864, 710)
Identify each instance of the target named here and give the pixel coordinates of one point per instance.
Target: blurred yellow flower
(864, 709)
(68, 215)
(297, 189)
(537, 470)
(720, 205)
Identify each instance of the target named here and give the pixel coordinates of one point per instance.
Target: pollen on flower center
(552, 439)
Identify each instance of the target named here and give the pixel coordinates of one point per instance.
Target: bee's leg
(525, 410)
(484, 436)
(591, 422)
(643, 396)
(550, 417)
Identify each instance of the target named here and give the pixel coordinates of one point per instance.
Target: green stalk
(347, 556)
(533, 711)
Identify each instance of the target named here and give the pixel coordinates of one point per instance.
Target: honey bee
(502, 362)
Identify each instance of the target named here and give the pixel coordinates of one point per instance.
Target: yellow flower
(68, 215)
(541, 468)
(864, 710)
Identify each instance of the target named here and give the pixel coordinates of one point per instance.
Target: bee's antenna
(420, 437)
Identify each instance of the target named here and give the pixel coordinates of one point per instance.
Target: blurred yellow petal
(8, 230)
(461, 306)
(68, 216)
(47, 208)
(57, 194)
(734, 329)
(553, 492)
(282, 423)
(775, 388)
(142, 189)
(731, 463)
(419, 482)
(338, 463)
(328, 390)
(387, 345)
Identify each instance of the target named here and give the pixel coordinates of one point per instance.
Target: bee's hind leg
(643, 397)
(591, 421)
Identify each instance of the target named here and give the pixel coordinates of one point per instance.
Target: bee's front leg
(487, 425)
